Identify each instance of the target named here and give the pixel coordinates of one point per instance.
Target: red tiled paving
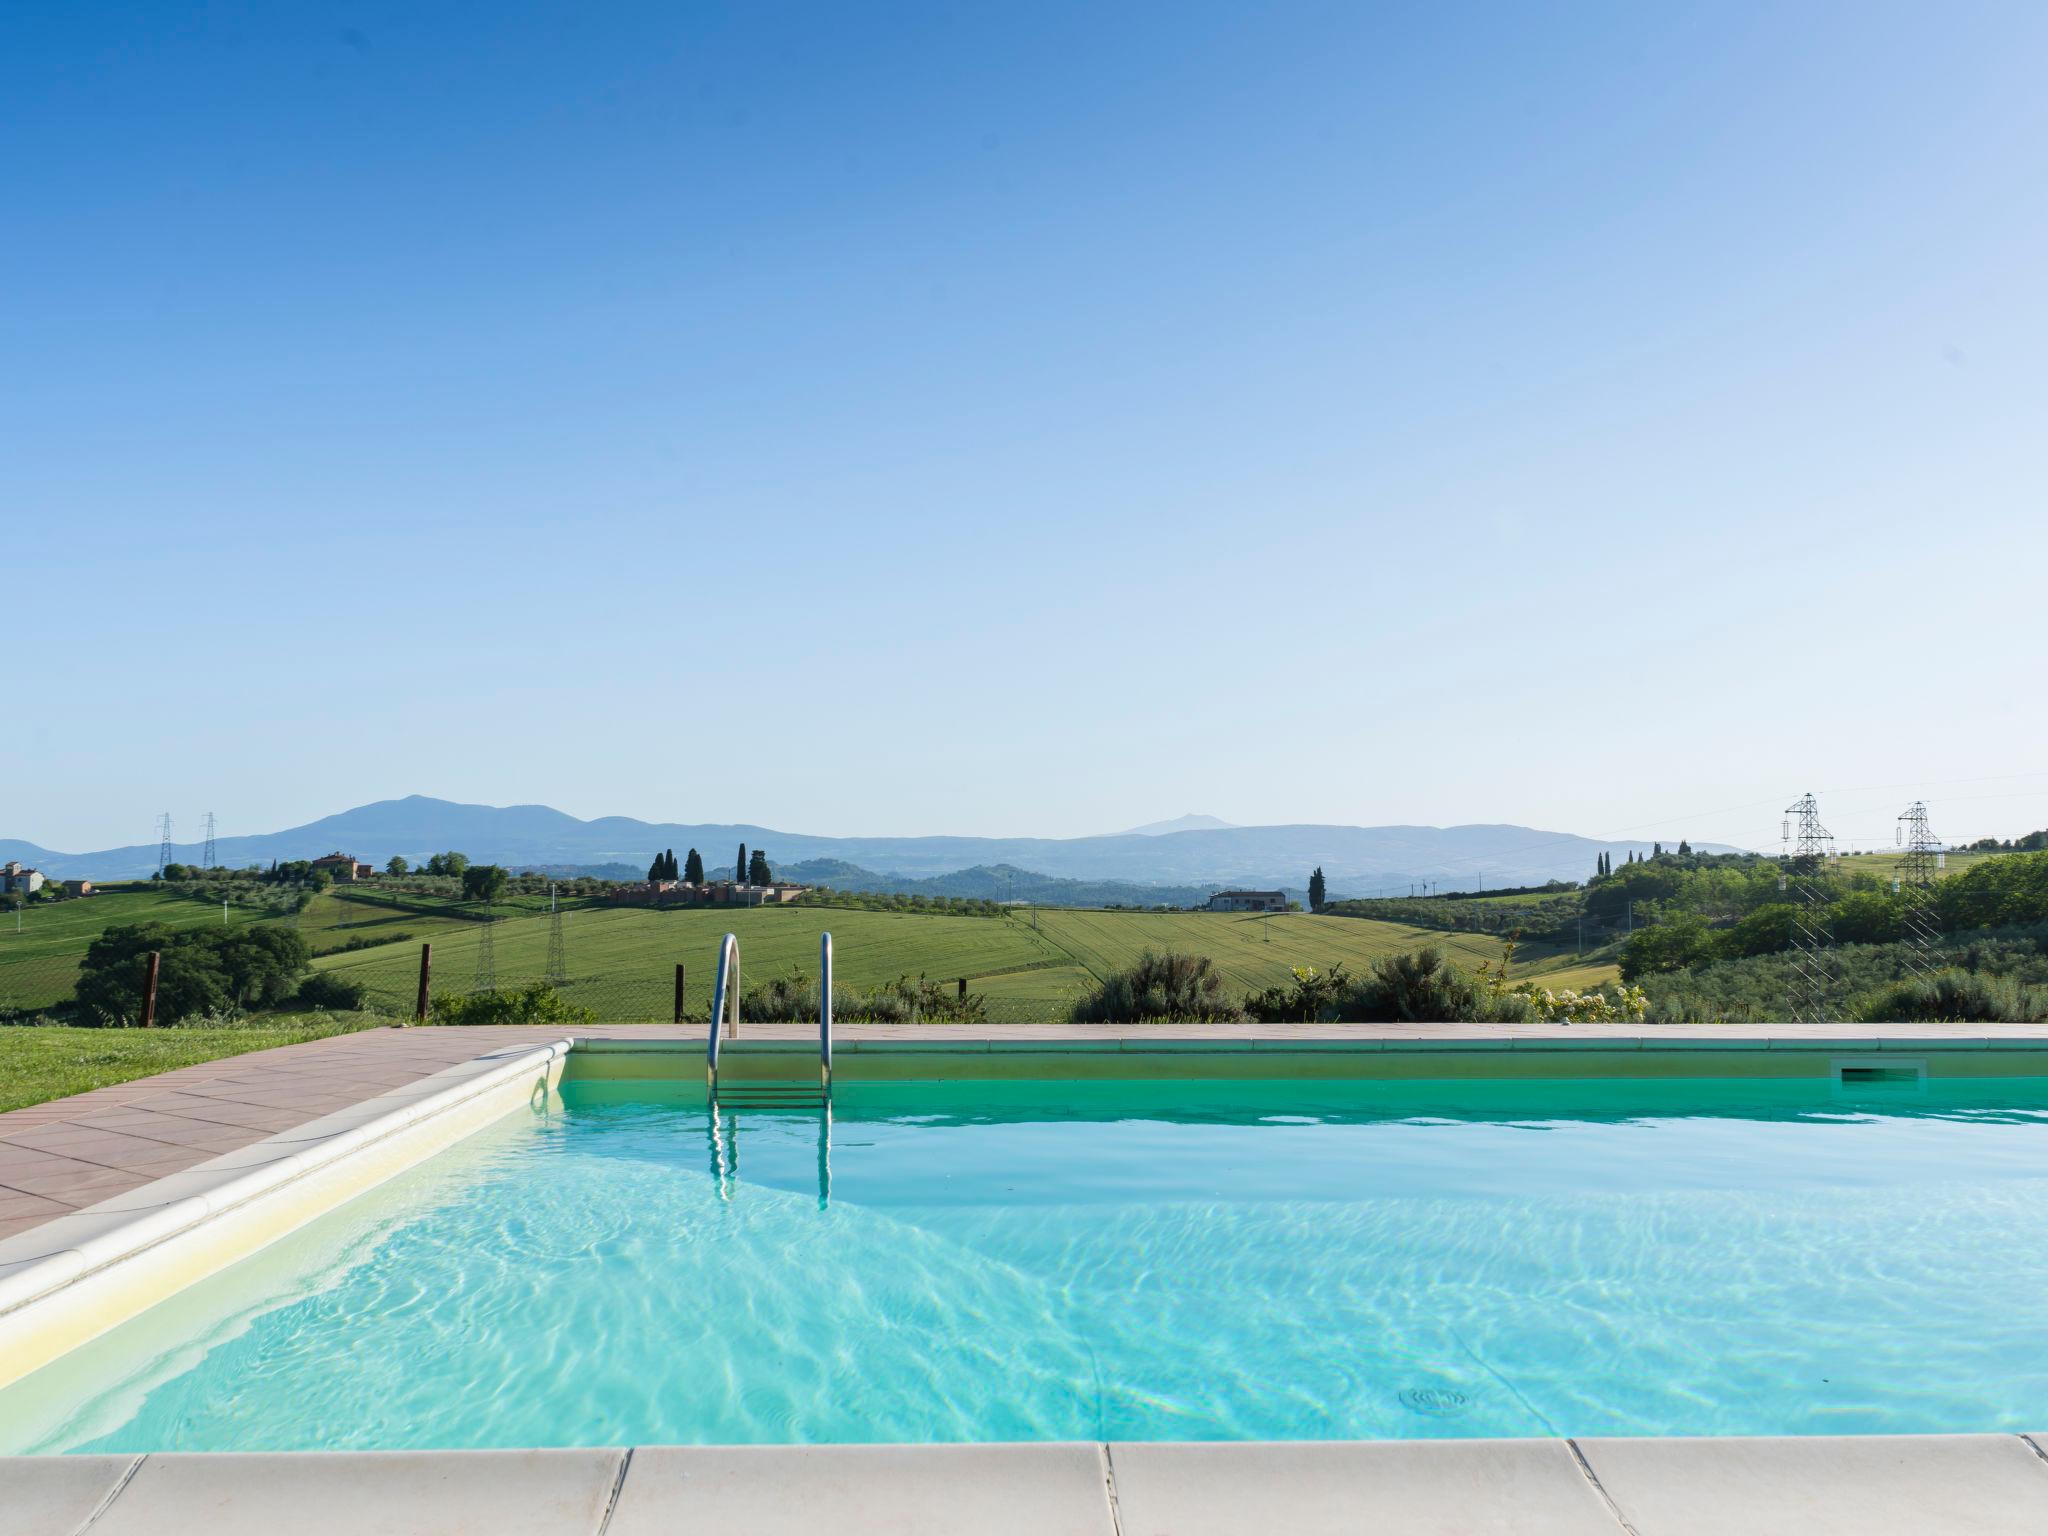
(62, 1156)
(71, 1153)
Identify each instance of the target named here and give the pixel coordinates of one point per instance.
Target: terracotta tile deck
(62, 1156)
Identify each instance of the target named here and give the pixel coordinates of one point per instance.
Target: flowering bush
(1626, 1004)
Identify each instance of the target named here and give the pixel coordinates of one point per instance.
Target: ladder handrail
(726, 998)
(725, 1011)
(825, 1014)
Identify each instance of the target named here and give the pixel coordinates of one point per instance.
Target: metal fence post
(150, 968)
(426, 974)
(679, 992)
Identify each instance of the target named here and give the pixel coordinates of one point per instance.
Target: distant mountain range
(1188, 823)
(1356, 861)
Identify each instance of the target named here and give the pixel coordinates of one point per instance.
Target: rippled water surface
(1137, 1261)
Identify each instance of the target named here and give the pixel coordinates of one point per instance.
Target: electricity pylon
(1919, 863)
(558, 958)
(1806, 852)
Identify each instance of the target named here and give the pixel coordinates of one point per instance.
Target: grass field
(336, 918)
(1029, 965)
(1885, 865)
(48, 1063)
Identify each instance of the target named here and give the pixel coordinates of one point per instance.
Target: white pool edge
(73, 1278)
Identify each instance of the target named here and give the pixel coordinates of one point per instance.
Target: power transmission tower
(558, 956)
(206, 859)
(1806, 850)
(1918, 865)
(487, 954)
(163, 845)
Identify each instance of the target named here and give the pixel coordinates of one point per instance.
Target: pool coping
(1930, 1485)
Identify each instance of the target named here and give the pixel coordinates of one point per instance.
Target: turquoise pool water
(1062, 1261)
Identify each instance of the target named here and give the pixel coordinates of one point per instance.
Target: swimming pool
(1129, 1261)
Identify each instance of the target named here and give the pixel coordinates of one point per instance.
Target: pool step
(769, 1096)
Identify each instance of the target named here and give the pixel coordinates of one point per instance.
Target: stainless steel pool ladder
(725, 1019)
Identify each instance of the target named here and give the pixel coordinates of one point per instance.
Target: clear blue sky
(1031, 418)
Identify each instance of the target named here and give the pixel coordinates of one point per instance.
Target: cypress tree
(693, 868)
(740, 870)
(758, 872)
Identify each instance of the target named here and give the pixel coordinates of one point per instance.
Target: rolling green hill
(1030, 964)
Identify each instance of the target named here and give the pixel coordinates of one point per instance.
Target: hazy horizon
(1026, 421)
(1856, 824)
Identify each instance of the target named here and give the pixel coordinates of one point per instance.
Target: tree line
(748, 868)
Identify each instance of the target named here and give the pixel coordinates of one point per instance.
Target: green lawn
(39, 1062)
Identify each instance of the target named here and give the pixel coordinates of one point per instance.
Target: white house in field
(14, 878)
(1248, 901)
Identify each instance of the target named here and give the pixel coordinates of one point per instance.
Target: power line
(558, 959)
(1805, 852)
(487, 954)
(207, 860)
(1918, 865)
(163, 846)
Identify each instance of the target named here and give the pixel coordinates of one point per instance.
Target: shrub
(1425, 988)
(793, 999)
(537, 1003)
(324, 989)
(207, 971)
(908, 1000)
(1314, 995)
(1168, 988)
(1954, 997)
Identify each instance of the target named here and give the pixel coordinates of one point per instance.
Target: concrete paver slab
(1826, 1485)
(866, 1490)
(392, 1493)
(1337, 1488)
(56, 1495)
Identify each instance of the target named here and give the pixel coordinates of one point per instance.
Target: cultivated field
(1029, 965)
(1887, 865)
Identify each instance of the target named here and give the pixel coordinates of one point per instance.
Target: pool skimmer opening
(1864, 1075)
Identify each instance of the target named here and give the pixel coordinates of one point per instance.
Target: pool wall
(1150, 1058)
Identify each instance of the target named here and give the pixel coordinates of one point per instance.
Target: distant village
(668, 882)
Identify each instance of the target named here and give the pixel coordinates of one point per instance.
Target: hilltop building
(344, 866)
(1248, 901)
(14, 878)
